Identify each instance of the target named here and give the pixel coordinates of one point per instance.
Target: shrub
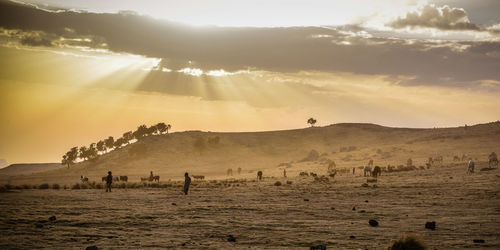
(8, 186)
(289, 182)
(3, 189)
(155, 185)
(98, 186)
(55, 186)
(26, 186)
(407, 243)
(44, 186)
(278, 183)
(65, 187)
(18, 187)
(84, 186)
(76, 186)
(123, 185)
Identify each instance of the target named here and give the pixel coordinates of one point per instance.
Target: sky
(74, 72)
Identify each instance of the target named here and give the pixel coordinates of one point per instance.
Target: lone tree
(311, 121)
(70, 157)
(128, 136)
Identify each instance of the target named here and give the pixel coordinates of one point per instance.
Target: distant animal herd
(368, 171)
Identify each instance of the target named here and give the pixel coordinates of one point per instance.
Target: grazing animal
(259, 175)
(370, 163)
(198, 177)
(124, 178)
(144, 179)
(470, 166)
(376, 171)
(313, 174)
(229, 172)
(239, 171)
(116, 179)
(492, 160)
(303, 174)
(156, 178)
(104, 178)
(84, 179)
(367, 169)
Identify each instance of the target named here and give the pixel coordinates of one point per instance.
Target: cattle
(84, 179)
(376, 171)
(144, 179)
(104, 178)
(156, 178)
(124, 178)
(367, 170)
(198, 177)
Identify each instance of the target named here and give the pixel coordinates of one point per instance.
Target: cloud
(279, 49)
(431, 16)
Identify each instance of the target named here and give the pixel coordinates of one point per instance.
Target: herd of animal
(332, 170)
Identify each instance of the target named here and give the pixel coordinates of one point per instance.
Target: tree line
(104, 146)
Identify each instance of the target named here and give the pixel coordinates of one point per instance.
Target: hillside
(349, 145)
(28, 168)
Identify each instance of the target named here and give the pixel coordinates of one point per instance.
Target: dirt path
(261, 215)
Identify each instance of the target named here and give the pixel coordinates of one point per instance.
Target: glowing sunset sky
(73, 72)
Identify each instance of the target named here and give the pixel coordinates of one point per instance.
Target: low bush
(407, 243)
(278, 183)
(75, 186)
(44, 186)
(55, 186)
(26, 186)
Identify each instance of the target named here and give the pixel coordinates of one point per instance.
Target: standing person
(284, 173)
(109, 181)
(187, 182)
(151, 176)
(353, 170)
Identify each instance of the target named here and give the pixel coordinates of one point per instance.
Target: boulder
(430, 225)
(373, 223)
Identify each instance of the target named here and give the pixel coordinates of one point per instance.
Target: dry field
(261, 215)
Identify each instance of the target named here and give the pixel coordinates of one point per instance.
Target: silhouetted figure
(353, 171)
(187, 182)
(284, 173)
(151, 176)
(239, 171)
(259, 175)
(109, 181)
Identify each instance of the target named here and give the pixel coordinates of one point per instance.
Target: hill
(28, 168)
(310, 149)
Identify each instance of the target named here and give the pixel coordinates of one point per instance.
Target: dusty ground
(261, 215)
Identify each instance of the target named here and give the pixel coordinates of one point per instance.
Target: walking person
(187, 182)
(109, 181)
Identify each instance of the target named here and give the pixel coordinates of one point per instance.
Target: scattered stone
(364, 185)
(353, 208)
(318, 247)
(352, 237)
(174, 204)
(306, 199)
(373, 223)
(92, 248)
(332, 208)
(52, 218)
(451, 177)
(362, 211)
(478, 241)
(375, 186)
(366, 201)
(231, 238)
(430, 225)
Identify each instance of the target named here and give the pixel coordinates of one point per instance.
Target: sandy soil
(261, 215)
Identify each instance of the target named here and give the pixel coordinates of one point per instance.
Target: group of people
(187, 182)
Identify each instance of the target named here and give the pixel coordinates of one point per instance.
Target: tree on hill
(70, 157)
(141, 132)
(152, 130)
(127, 137)
(162, 127)
(83, 154)
(119, 142)
(110, 142)
(101, 146)
(311, 121)
(92, 151)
